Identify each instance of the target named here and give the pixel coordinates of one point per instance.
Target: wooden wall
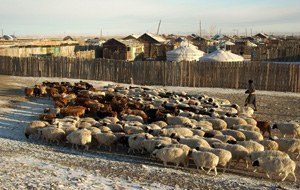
(266, 76)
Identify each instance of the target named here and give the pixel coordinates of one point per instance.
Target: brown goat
(29, 92)
(264, 126)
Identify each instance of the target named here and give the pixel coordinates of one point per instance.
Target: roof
(221, 56)
(262, 35)
(10, 37)
(156, 37)
(130, 42)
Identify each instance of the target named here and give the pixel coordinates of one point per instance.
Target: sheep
(250, 121)
(251, 146)
(154, 132)
(106, 139)
(32, 128)
(218, 124)
(234, 121)
(115, 127)
(53, 134)
(225, 156)
(211, 140)
(292, 129)
(55, 111)
(205, 159)
(198, 132)
(288, 145)
(80, 137)
(201, 126)
(252, 135)
(238, 135)
(267, 153)
(212, 133)
(133, 129)
(68, 130)
(149, 144)
(277, 165)
(133, 118)
(192, 142)
(134, 142)
(264, 126)
(246, 127)
(173, 155)
(225, 138)
(269, 144)
(175, 132)
(177, 120)
(161, 124)
(245, 111)
(238, 151)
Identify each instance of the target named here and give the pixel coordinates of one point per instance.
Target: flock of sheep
(171, 126)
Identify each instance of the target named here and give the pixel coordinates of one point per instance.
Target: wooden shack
(128, 50)
(155, 46)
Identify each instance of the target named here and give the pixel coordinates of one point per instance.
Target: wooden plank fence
(267, 76)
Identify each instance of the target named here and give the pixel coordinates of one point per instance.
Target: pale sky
(124, 17)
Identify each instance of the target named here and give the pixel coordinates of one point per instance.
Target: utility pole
(158, 27)
(2, 32)
(200, 29)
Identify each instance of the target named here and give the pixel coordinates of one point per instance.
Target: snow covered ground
(34, 164)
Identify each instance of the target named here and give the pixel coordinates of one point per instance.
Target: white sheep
(135, 141)
(245, 111)
(128, 129)
(267, 153)
(250, 121)
(277, 165)
(225, 138)
(238, 135)
(175, 132)
(292, 129)
(173, 155)
(238, 151)
(269, 144)
(53, 134)
(288, 145)
(161, 124)
(133, 118)
(218, 124)
(32, 127)
(198, 132)
(225, 156)
(81, 137)
(211, 140)
(149, 144)
(252, 135)
(234, 121)
(192, 142)
(212, 133)
(251, 146)
(106, 139)
(177, 120)
(69, 130)
(246, 127)
(205, 159)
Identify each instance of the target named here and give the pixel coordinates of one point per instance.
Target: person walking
(251, 98)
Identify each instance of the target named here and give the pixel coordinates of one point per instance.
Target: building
(128, 50)
(155, 46)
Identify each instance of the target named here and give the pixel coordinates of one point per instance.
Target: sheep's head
(275, 126)
(255, 163)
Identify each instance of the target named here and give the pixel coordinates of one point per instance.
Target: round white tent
(221, 56)
(188, 53)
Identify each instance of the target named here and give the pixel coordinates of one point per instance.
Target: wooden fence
(266, 76)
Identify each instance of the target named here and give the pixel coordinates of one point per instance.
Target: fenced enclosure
(266, 76)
